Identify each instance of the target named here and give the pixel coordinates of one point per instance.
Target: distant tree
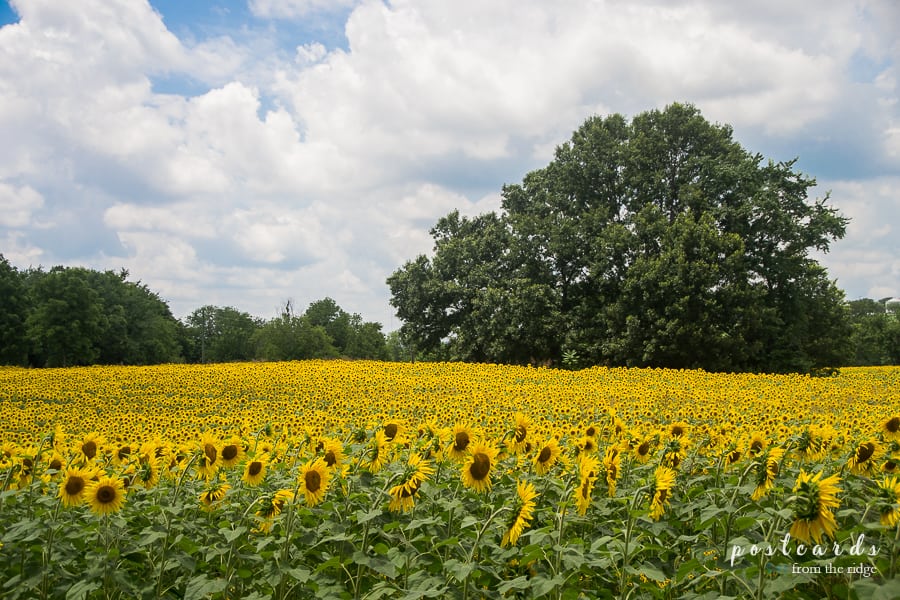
(221, 334)
(13, 314)
(66, 323)
(655, 242)
(292, 337)
(876, 332)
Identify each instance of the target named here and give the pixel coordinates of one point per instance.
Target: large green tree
(13, 313)
(659, 241)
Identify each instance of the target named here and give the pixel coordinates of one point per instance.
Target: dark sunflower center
(591, 431)
(254, 468)
(106, 494)
(890, 465)
(589, 445)
(461, 442)
(644, 448)
(756, 446)
(521, 432)
(124, 452)
(390, 431)
(89, 449)
(210, 451)
(545, 455)
(677, 431)
(229, 452)
(56, 464)
(74, 485)
(330, 458)
(865, 452)
(481, 466)
(893, 425)
(734, 456)
(409, 490)
(313, 481)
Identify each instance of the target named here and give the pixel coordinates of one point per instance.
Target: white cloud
(307, 172)
(18, 204)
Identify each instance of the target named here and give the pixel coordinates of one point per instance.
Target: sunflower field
(345, 479)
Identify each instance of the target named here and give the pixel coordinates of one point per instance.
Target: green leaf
(81, 589)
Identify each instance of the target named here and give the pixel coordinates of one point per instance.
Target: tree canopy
(655, 242)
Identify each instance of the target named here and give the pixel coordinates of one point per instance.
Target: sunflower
(233, 451)
(813, 500)
(476, 471)
(148, 471)
(588, 469)
(403, 495)
(756, 444)
(71, 488)
(88, 448)
(210, 448)
(675, 451)
(585, 445)
(393, 430)
(255, 470)
(460, 437)
(106, 495)
(766, 468)
(547, 456)
(889, 501)
(612, 461)
(377, 453)
(213, 494)
(678, 430)
(314, 478)
(643, 450)
(522, 515)
(333, 453)
(862, 461)
(121, 454)
(272, 505)
(890, 429)
(521, 427)
(663, 481)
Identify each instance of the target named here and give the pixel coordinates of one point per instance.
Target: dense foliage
(655, 242)
(76, 316)
(358, 479)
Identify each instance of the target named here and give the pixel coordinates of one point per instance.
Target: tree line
(68, 316)
(657, 242)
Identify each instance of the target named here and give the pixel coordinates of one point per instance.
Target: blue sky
(243, 153)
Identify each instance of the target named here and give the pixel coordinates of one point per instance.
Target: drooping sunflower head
(106, 495)
(663, 482)
(520, 430)
(522, 515)
(766, 469)
(477, 469)
(213, 495)
(461, 436)
(233, 451)
(88, 448)
(756, 444)
(863, 461)
(332, 453)
(394, 430)
(377, 452)
(888, 502)
(890, 429)
(813, 501)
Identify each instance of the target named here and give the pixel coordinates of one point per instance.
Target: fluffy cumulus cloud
(231, 169)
